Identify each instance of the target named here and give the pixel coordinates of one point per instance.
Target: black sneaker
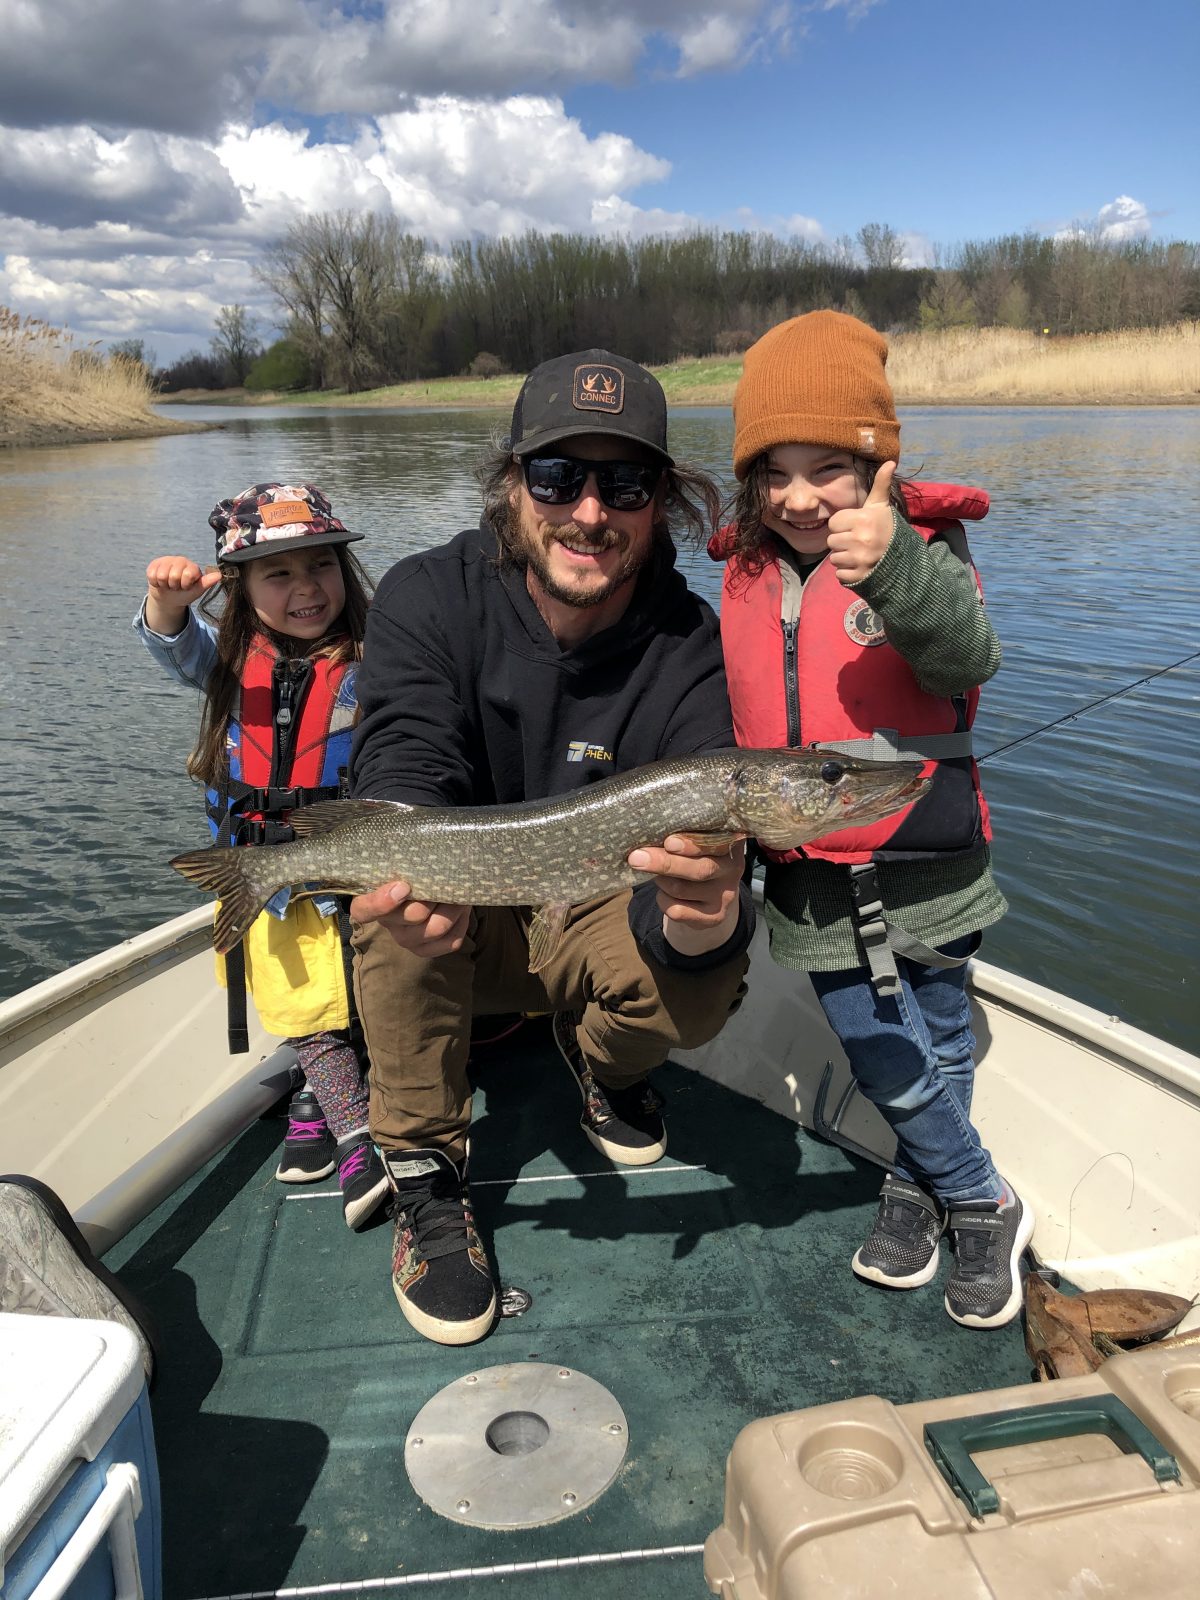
(626, 1125)
(362, 1179)
(984, 1289)
(48, 1269)
(901, 1249)
(309, 1149)
(439, 1270)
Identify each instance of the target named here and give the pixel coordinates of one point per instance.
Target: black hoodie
(468, 699)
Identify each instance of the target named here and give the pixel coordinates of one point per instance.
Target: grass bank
(967, 366)
(53, 393)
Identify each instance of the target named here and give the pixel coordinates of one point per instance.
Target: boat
(701, 1293)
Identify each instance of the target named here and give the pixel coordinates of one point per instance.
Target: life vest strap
(272, 801)
(882, 941)
(885, 744)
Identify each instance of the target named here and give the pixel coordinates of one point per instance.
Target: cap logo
(598, 388)
(278, 513)
(866, 439)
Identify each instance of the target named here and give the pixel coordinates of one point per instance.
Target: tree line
(360, 302)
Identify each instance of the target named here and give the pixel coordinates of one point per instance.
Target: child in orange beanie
(851, 618)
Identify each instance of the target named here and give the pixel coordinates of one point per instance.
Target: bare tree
(882, 246)
(235, 342)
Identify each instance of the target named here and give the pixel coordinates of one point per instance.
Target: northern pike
(555, 853)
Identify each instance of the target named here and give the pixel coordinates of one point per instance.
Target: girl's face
(806, 484)
(299, 592)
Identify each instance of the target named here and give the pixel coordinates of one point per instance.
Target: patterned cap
(270, 517)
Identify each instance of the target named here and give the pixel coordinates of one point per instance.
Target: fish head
(804, 794)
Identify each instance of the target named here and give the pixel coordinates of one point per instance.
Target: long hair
(689, 508)
(237, 626)
(753, 543)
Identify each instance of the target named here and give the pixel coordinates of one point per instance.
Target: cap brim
(274, 547)
(547, 436)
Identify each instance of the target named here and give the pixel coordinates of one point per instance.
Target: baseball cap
(590, 391)
(268, 518)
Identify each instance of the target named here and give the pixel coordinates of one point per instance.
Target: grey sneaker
(626, 1125)
(48, 1269)
(984, 1289)
(901, 1250)
(440, 1273)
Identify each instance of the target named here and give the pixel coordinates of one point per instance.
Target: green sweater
(930, 606)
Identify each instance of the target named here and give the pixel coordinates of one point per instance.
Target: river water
(1090, 571)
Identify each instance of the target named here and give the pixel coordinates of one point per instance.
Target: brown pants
(416, 1012)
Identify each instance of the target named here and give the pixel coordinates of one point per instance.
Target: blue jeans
(913, 1056)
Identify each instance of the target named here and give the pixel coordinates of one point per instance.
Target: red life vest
(832, 679)
(288, 741)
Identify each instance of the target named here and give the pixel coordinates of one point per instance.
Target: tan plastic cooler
(1082, 1488)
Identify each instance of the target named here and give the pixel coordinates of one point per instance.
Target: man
(553, 645)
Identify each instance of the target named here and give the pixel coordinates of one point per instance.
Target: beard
(532, 551)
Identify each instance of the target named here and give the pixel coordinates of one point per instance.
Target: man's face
(584, 552)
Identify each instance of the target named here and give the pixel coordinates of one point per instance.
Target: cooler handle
(952, 1442)
(113, 1512)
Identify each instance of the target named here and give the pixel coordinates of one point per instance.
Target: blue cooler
(79, 1503)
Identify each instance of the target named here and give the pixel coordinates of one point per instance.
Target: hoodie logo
(581, 750)
(598, 388)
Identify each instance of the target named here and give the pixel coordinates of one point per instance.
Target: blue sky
(149, 151)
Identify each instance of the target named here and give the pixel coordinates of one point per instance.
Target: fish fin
(221, 872)
(546, 931)
(712, 844)
(308, 821)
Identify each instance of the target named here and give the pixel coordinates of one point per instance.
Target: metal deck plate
(516, 1446)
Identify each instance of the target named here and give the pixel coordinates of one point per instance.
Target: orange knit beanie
(817, 379)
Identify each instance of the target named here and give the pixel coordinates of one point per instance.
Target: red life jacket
(287, 743)
(832, 679)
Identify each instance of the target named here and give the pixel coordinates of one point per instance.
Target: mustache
(606, 539)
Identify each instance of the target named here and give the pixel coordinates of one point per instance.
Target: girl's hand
(858, 539)
(173, 583)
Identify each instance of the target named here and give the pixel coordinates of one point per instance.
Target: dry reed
(1007, 367)
(51, 391)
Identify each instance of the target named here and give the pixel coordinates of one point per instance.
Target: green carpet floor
(704, 1292)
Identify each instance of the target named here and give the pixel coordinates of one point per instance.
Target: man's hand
(857, 539)
(416, 925)
(173, 583)
(697, 893)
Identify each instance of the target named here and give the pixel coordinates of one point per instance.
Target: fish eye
(831, 771)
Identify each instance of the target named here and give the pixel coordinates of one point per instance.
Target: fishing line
(1070, 716)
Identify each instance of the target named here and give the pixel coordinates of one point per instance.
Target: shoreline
(37, 436)
(374, 400)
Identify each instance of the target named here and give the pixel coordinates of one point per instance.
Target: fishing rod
(1070, 716)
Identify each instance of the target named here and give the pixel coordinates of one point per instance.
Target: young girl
(277, 675)
(851, 618)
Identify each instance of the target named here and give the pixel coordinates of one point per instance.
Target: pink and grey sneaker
(362, 1178)
(309, 1149)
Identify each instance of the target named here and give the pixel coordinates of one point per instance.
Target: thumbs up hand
(858, 539)
(173, 583)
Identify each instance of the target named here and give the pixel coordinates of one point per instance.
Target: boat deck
(703, 1292)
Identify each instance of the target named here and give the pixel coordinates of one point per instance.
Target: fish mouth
(875, 804)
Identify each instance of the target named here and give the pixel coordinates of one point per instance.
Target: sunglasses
(560, 480)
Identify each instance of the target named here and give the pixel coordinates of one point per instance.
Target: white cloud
(152, 233)
(182, 67)
(1122, 218)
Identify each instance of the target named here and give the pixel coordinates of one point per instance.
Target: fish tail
(223, 873)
